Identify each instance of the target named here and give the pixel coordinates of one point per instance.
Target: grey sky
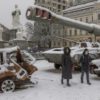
(7, 6)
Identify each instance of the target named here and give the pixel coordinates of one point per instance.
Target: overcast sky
(6, 8)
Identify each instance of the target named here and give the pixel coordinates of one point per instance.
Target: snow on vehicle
(28, 57)
(13, 74)
(95, 67)
(54, 55)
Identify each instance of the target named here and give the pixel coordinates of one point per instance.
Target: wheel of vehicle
(57, 66)
(98, 75)
(7, 85)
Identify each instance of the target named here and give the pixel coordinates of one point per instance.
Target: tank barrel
(38, 13)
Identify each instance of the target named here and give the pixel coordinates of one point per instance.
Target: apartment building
(89, 13)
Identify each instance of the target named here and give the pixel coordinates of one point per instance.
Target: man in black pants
(85, 60)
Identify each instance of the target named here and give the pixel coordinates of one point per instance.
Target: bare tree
(39, 32)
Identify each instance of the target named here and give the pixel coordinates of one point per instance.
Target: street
(49, 86)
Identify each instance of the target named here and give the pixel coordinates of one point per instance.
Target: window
(83, 45)
(59, 6)
(81, 32)
(65, 44)
(58, 43)
(92, 18)
(54, 43)
(95, 45)
(57, 50)
(87, 19)
(59, 0)
(70, 32)
(98, 16)
(80, 19)
(64, 7)
(1, 58)
(75, 32)
(64, 1)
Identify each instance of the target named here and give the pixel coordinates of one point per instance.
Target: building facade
(51, 29)
(89, 13)
(82, 10)
(54, 5)
(6, 35)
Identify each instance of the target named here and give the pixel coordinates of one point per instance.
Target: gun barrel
(59, 19)
(91, 28)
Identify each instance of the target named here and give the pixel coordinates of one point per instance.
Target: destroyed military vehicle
(14, 70)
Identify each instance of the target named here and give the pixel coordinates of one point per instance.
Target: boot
(82, 81)
(68, 83)
(62, 81)
(88, 83)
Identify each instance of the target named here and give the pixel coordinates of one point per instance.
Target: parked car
(13, 74)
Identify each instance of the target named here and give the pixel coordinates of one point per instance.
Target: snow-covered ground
(50, 88)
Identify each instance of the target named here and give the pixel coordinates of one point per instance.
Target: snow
(8, 50)
(50, 88)
(82, 6)
(21, 76)
(3, 68)
(17, 39)
(29, 58)
(74, 51)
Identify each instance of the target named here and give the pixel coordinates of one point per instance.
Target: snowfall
(49, 86)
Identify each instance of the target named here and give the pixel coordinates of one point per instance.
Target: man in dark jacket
(66, 66)
(84, 61)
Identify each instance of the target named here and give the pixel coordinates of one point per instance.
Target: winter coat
(66, 67)
(19, 57)
(84, 61)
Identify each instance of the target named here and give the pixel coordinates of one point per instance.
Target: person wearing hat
(84, 61)
(66, 66)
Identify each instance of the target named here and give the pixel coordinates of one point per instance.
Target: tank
(41, 14)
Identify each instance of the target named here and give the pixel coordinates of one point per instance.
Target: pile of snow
(3, 68)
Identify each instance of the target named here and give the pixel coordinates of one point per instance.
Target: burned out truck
(12, 73)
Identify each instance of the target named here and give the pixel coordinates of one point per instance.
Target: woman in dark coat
(84, 61)
(66, 66)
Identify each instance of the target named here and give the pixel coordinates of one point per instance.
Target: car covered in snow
(12, 73)
(54, 55)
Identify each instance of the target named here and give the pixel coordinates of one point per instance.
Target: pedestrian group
(67, 66)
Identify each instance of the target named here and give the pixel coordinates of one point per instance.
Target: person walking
(84, 61)
(66, 66)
